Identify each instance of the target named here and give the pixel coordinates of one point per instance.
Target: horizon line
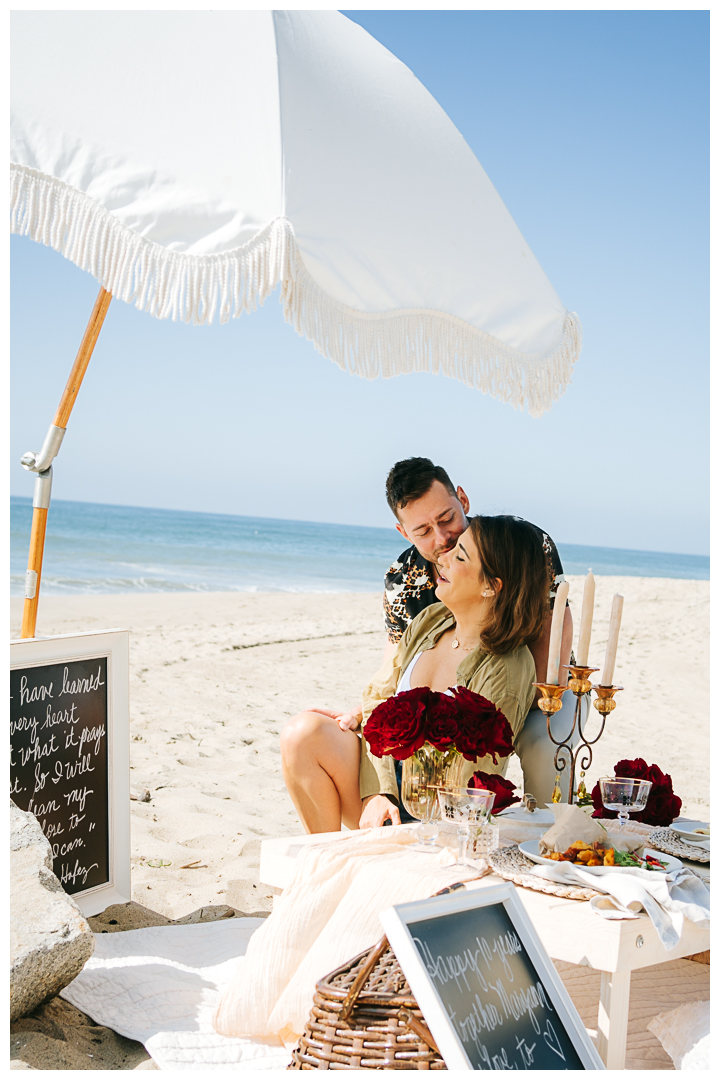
(334, 524)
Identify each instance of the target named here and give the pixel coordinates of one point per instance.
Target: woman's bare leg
(320, 765)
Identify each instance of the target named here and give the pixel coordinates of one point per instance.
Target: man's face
(434, 522)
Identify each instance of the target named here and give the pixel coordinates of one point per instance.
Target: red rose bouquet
(495, 782)
(462, 721)
(662, 806)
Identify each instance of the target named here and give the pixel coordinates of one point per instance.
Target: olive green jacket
(505, 680)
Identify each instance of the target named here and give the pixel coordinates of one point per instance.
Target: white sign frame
(113, 645)
(395, 923)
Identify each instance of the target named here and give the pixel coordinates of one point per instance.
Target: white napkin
(667, 898)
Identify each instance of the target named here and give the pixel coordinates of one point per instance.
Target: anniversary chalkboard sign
(489, 992)
(68, 764)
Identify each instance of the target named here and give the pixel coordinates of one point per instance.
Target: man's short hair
(411, 479)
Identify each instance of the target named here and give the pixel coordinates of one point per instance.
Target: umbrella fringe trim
(399, 342)
(167, 284)
(194, 288)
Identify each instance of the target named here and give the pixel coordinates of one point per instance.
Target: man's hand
(376, 810)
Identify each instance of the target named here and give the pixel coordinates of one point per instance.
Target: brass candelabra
(567, 757)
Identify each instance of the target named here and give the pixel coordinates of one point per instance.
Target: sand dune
(214, 676)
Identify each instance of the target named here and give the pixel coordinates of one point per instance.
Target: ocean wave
(73, 586)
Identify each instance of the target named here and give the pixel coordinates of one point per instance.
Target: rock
(212, 913)
(59, 1036)
(140, 795)
(132, 916)
(50, 939)
(129, 916)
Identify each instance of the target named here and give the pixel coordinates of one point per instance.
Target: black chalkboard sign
(59, 763)
(489, 992)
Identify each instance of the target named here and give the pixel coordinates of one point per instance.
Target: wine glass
(624, 795)
(465, 807)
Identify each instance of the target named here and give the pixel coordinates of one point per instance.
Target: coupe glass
(624, 795)
(466, 808)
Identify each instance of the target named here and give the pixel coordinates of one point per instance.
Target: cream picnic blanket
(327, 915)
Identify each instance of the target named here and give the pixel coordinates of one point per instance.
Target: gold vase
(422, 774)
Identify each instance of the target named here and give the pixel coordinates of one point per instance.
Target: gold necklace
(455, 644)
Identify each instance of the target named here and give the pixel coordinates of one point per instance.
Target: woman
(493, 588)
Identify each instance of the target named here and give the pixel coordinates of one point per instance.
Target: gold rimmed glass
(625, 796)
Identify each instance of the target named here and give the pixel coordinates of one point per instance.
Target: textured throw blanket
(327, 915)
(160, 985)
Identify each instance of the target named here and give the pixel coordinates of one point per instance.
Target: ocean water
(92, 548)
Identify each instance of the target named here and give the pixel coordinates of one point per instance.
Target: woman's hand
(378, 809)
(346, 721)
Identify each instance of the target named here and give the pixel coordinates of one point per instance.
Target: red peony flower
(441, 723)
(482, 729)
(495, 782)
(662, 806)
(398, 726)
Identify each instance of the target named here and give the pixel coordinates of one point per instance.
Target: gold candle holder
(579, 682)
(551, 699)
(605, 700)
(574, 750)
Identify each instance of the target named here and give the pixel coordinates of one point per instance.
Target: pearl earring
(488, 593)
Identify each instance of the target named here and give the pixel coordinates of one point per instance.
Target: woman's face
(460, 574)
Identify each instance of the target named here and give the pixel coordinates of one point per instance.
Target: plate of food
(699, 831)
(597, 859)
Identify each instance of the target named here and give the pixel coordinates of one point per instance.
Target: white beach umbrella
(193, 161)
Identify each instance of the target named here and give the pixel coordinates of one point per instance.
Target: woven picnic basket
(364, 1016)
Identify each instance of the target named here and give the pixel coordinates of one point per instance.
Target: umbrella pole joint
(39, 461)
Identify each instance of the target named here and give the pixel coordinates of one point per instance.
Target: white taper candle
(611, 651)
(556, 628)
(586, 619)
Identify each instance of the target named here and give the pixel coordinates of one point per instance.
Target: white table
(567, 928)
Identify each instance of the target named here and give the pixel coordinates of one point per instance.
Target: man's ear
(400, 529)
(463, 499)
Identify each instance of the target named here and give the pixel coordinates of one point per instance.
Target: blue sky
(593, 126)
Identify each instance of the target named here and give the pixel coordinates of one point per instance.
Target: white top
(404, 683)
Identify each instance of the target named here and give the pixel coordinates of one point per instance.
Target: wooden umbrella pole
(42, 463)
(82, 359)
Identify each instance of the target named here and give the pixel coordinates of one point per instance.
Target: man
(431, 514)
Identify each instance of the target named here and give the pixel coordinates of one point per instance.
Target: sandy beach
(215, 676)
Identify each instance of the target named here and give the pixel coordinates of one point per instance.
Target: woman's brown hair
(511, 550)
